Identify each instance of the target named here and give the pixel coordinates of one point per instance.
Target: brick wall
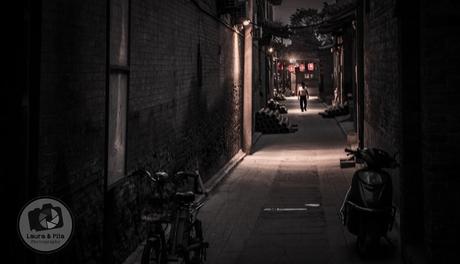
(429, 108)
(171, 107)
(184, 108)
(440, 127)
(184, 102)
(326, 89)
(382, 109)
(72, 119)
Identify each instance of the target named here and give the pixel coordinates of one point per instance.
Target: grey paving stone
(285, 171)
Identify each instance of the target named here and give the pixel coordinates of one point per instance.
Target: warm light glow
(311, 66)
(291, 60)
(236, 59)
(270, 49)
(246, 22)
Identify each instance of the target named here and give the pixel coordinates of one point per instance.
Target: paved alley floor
(279, 205)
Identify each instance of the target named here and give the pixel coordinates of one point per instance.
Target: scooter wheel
(366, 244)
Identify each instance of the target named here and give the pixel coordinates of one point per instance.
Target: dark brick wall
(440, 127)
(173, 111)
(326, 89)
(72, 119)
(382, 109)
(184, 104)
(184, 108)
(426, 113)
(258, 99)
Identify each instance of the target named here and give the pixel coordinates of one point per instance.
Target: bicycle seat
(161, 176)
(185, 197)
(186, 174)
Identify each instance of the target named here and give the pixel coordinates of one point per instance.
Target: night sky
(288, 7)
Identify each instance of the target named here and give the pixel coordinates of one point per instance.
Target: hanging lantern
(302, 67)
(280, 66)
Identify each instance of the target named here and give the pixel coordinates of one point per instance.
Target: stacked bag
(272, 122)
(334, 111)
(276, 106)
(280, 97)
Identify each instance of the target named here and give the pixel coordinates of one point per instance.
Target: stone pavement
(279, 205)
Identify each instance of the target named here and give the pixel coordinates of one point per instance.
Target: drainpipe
(360, 71)
(247, 94)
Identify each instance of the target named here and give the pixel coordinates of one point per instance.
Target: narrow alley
(174, 132)
(280, 204)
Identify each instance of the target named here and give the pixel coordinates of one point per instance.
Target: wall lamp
(271, 49)
(243, 23)
(246, 22)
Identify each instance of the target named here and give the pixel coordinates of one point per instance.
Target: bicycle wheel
(197, 249)
(153, 251)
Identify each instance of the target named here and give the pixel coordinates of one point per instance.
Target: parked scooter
(367, 210)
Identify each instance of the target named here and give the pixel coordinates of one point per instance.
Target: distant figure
(335, 102)
(302, 95)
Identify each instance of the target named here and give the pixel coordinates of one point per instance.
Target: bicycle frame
(173, 231)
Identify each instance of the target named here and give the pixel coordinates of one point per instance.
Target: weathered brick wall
(440, 127)
(184, 103)
(72, 119)
(326, 89)
(184, 108)
(257, 81)
(172, 109)
(439, 122)
(382, 109)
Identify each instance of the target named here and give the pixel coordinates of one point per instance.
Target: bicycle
(175, 235)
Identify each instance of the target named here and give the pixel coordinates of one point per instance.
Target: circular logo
(45, 224)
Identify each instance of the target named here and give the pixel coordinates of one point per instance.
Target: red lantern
(311, 66)
(280, 66)
(302, 67)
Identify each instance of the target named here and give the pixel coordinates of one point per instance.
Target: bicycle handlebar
(160, 178)
(145, 172)
(197, 181)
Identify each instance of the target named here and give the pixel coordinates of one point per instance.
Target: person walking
(302, 96)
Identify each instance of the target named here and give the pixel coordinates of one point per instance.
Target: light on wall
(246, 22)
(270, 49)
